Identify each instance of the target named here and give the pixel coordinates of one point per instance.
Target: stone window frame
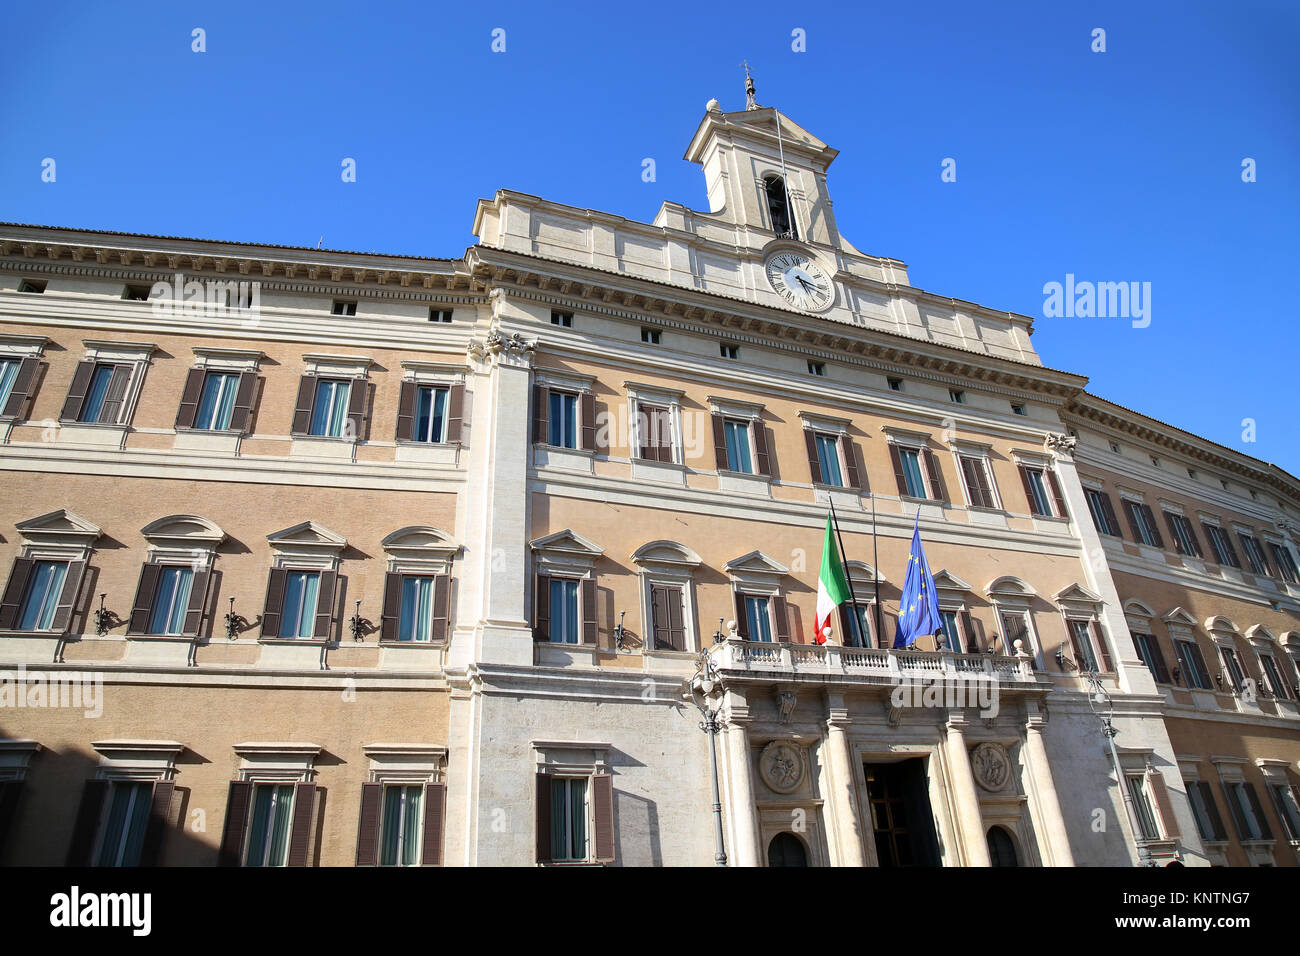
(756, 575)
(919, 442)
(1231, 771)
(839, 428)
(662, 397)
(575, 759)
(139, 355)
(22, 347)
(421, 551)
(964, 448)
(289, 552)
(752, 413)
(1190, 772)
(1077, 604)
(1010, 594)
(667, 563)
(354, 369)
(16, 754)
(39, 541)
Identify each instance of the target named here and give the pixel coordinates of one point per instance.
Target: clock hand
(804, 283)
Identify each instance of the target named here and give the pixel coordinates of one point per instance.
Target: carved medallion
(781, 765)
(992, 766)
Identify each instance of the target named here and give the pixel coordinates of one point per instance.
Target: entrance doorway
(1002, 849)
(900, 813)
(786, 850)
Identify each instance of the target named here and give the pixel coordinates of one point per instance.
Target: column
(1055, 838)
(744, 850)
(970, 823)
(844, 784)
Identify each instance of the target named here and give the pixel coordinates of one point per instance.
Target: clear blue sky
(1115, 166)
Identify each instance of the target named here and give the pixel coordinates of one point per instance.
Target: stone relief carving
(1060, 444)
(496, 345)
(785, 702)
(781, 765)
(992, 766)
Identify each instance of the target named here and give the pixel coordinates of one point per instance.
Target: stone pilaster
(970, 822)
(843, 795)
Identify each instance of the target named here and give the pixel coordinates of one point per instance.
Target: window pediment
(1008, 589)
(307, 543)
(1218, 624)
(566, 551)
(666, 553)
(756, 563)
(60, 528)
(945, 580)
(184, 532)
(1178, 616)
(1075, 597)
(420, 540)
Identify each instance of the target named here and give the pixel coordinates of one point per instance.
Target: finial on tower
(750, 102)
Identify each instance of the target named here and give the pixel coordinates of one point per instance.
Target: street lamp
(1103, 708)
(701, 689)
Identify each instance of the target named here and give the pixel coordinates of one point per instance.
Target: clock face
(800, 280)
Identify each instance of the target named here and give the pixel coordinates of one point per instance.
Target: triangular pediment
(1076, 594)
(756, 562)
(308, 534)
(568, 542)
(1178, 616)
(61, 524)
(945, 580)
(761, 123)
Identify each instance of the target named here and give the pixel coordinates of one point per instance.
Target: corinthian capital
(1060, 444)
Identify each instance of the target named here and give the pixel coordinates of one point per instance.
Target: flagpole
(853, 597)
(875, 564)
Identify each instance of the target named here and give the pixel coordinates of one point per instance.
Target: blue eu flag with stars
(918, 610)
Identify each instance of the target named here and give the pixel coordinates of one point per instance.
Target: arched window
(786, 850)
(1002, 849)
(778, 208)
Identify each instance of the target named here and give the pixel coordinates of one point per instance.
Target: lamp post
(1103, 708)
(701, 689)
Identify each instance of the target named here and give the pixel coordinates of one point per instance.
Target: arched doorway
(1002, 849)
(786, 850)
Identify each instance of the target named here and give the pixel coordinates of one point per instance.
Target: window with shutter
(667, 617)
(17, 385)
(975, 478)
(1209, 822)
(1195, 673)
(1285, 562)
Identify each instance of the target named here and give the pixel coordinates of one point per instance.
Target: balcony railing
(830, 660)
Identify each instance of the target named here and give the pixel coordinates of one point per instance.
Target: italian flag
(832, 586)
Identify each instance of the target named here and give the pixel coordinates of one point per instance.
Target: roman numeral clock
(800, 279)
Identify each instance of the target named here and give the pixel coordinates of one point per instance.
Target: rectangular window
(44, 585)
(170, 600)
(1192, 664)
(268, 831)
(136, 293)
(301, 592)
(758, 619)
(1286, 565)
(95, 394)
(667, 617)
(910, 458)
(1248, 812)
(1143, 522)
(415, 618)
(331, 408)
(1149, 650)
(957, 395)
(564, 420)
(1254, 553)
(817, 368)
(1222, 546)
(1018, 409)
(440, 315)
(125, 824)
(1137, 788)
(1036, 490)
(738, 456)
(217, 401)
(430, 413)
(1233, 666)
(32, 286)
(563, 319)
(8, 375)
(1081, 639)
(655, 424)
(1276, 685)
(858, 626)
(569, 819)
(650, 336)
(566, 621)
(729, 351)
(975, 473)
(1014, 628)
(1208, 821)
(1103, 513)
(895, 384)
(1284, 802)
(1184, 538)
(400, 825)
(344, 307)
(952, 632)
(828, 457)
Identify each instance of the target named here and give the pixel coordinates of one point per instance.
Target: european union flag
(918, 610)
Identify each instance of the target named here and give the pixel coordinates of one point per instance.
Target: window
(1018, 409)
(1015, 627)
(301, 592)
(1137, 788)
(975, 475)
(951, 628)
(330, 409)
(563, 319)
(8, 375)
(100, 393)
(655, 432)
(757, 619)
(565, 618)
(1284, 802)
(568, 819)
(913, 482)
(895, 384)
(1208, 821)
(667, 617)
(859, 627)
(1149, 650)
(650, 336)
(171, 600)
(1143, 523)
(738, 453)
(1276, 686)
(1155, 461)
(729, 351)
(44, 586)
(217, 401)
(415, 621)
(1081, 640)
(440, 315)
(344, 307)
(400, 825)
(136, 293)
(125, 824)
(1249, 543)
(32, 286)
(1286, 565)
(1232, 664)
(430, 413)
(1042, 491)
(268, 831)
(957, 395)
(778, 207)
(1103, 512)
(1184, 537)
(816, 368)
(828, 458)
(1247, 811)
(1193, 664)
(563, 420)
(1224, 552)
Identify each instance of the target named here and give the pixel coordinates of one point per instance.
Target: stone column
(1054, 839)
(970, 823)
(744, 850)
(844, 784)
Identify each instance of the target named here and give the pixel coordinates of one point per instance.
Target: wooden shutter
(358, 405)
(677, 619)
(937, 490)
(588, 595)
(392, 608)
(77, 391)
(970, 644)
(1233, 559)
(304, 405)
(543, 818)
(86, 824)
(1080, 653)
(542, 629)
(851, 473)
(21, 390)
(455, 413)
(1155, 529)
(1057, 497)
(646, 449)
(435, 804)
(764, 462)
(814, 463)
(304, 804)
(11, 602)
(1107, 666)
(742, 619)
(238, 798)
(145, 592)
(781, 615)
(68, 598)
(1160, 793)
(160, 819)
(198, 603)
(664, 432)
(372, 799)
(1171, 522)
(190, 396)
(1158, 658)
(720, 442)
(273, 608)
(110, 413)
(1108, 509)
(1217, 830)
(588, 423)
(1234, 808)
(10, 791)
(659, 615)
(441, 623)
(899, 477)
(602, 811)
(1029, 490)
(666, 613)
(325, 605)
(541, 415)
(1266, 831)
(1134, 524)
(245, 393)
(406, 414)
(977, 483)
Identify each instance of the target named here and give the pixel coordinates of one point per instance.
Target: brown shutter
(970, 644)
(325, 605)
(304, 405)
(781, 614)
(197, 604)
(937, 490)
(851, 473)
(543, 818)
(392, 609)
(1234, 807)
(1106, 664)
(372, 799)
(190, 395)
(1173, 532)
(720, 442)
(1211, 553)
(645, 427)
(1059, 498)
(1157, 659)
(358, 403)
(21, 390)
(160, 819)
(1029, 490)
(742, 620)
(814, 463)
(68, 598)
(899, 477)
(1130, 513)
(676, 619)
(10, 791)
(145, 592)
(665, 433)
(11, 602)
(435, 804)
(86, 824)
(1232, 550)
(1156, 780)
(441, 623)
(77, 391)
(232, 833)
(659, 615)
(602, 811)
(1155, 529)
(110, 413)
(406, 412)
(274, 606)
(541, 415)
(1266, 831)
(455, 413)
(1108, 509)
(1217, 830)
(760, 448)
(588, 423)
(304, 803)
(242, 412)
(542, 629)
(588, 589)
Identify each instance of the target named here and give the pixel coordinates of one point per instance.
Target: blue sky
(1115, 166)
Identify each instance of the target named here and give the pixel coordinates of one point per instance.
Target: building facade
(333, 558)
